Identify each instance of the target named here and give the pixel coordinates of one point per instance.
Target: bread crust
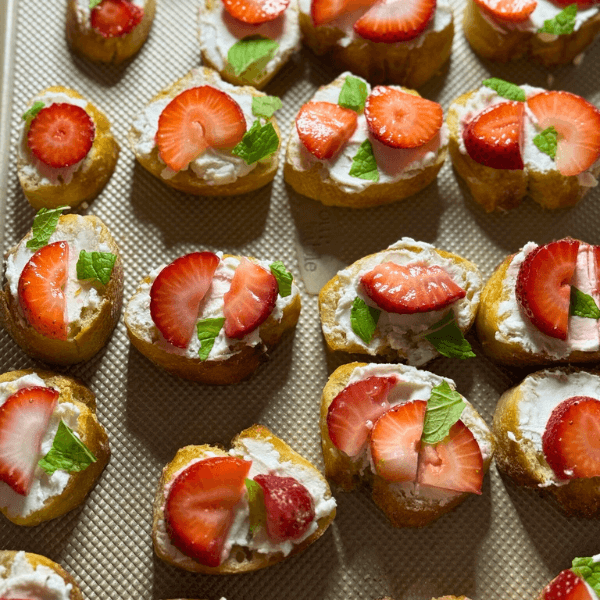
(240, 560)
(186, 181)
(91, 177)
(93, 46)
(96, 326)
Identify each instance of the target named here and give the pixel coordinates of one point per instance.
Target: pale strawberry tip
(255, 12)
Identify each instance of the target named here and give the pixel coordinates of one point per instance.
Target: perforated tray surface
(506, 543)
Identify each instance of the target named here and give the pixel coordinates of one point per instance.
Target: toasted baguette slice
(404, 504)
(47, 187)
(241, 559)
(87, 42)
(88, 334)
(143, 132)
(520, 419)
(337, 296)
(91, 433)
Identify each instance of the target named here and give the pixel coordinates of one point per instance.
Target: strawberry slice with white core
(544, 286)
(495, 136)
(41, 290)
(515, 11)
(571, 440)
(577, 123)
(250, 300)
(324, 127)
(396, 441)
(401, 120)
(395, 20)
(409, 289)
(289, 507)
(326, 11)
(115, 18)
(61, 135)
(255, 12)
(453, 464)
(177, 292)
(24, 420)
(567, 586)
(352, 413)
(200, 507)
(199, 118)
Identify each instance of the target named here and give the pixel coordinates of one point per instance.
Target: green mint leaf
(547, 141)
(34, 110)
(589, 570)
(44, 224)
(256, 503)
(444, 408)
(283, 276)
(449, 340)
(505, 89)
(265, 106)
(68, 453)
(363, 319)
(583, 305)
(563, 23)
(208, 330)
(252, 50)
(353, 94)
(94, 3)
(258, 142)
(95, 265)
(363, 164)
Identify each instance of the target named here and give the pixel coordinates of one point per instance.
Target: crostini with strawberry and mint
(580, 582)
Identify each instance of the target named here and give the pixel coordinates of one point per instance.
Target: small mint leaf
(94, 3)
(444, 408)
(95, 265)
(252, 50)
(588, 570)
(353, 94)
(256, 503)
(44, 224)
(583, 305)
(265, 106)
(33, 111)
(68, 453)
(363, 164)
(547, 141)
(208, 330)
(448, 339)
(283, 276)
(258, 142)
(563, 23)
(363, 319)
(505, 89)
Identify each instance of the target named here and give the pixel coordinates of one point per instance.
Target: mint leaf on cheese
(96, 266)
(249, 51)
(265, 106)
(353, 94)
(29, 114)
(256, 503)
(589, 570)
(444, 408)
(547, 141)
(44, 224)
(283, 276)
(448, 339)
(258, 142)
(363, 319)
(68, 453)
(563, 23)
(363, 164)
(208, 330)
(583, 305)
(505, 89)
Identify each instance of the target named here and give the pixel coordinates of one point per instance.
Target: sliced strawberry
(114, 18)
(577, 123)
(177, 292)
(514, 11)
(41, 290)
(566, 586)
(61, 135)
(453, 464)
(289, 506)
(581, 4)
(24, 420)
(401, 120)
(544, 286)
(353, 411)
(255, 12)
(395, 20)
(199, 118)
(494, 137)
(571, 440)
(200, 506)
(326, 11)
(396, 441)
(250, 299)
(324, 127)
(409, 289)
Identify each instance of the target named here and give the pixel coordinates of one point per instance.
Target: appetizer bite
(580, 582)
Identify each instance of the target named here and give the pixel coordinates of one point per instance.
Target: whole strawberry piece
(401, 120)
(41, 290)
(494, 137)
(177, 292)
(409, 289)
(255, 12)
(199, 118)
(577, 123)
(289, 507)
(324, 127)
(201, 504)
(544, 286)
(325, 11)
(515, 11)
(250, 299)
(566, 586)
(571, 440)
(61, 135)
(114, 18)
(353, 411)
(24, 420)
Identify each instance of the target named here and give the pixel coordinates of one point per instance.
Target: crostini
(580, 582)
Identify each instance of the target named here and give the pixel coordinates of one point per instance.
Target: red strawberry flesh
(200, 507)
(24, 420)
(566, 586)
(61, 135)
(115, 18)
(325, 11)
(255, 12)
(515, 11)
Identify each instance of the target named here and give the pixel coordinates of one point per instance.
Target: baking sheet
(506, 543)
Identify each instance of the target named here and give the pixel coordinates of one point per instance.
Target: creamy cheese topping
(402, 332)
(83, 11)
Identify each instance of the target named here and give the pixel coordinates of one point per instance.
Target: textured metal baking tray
(505, 544)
